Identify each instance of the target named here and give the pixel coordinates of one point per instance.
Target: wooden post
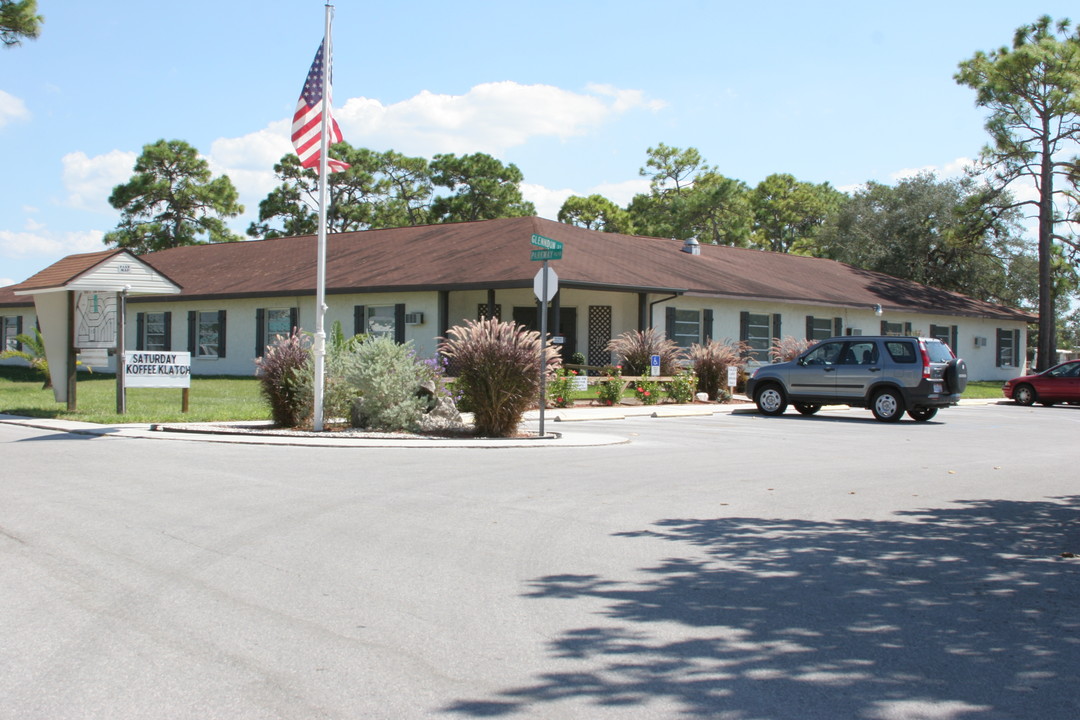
(184, 399)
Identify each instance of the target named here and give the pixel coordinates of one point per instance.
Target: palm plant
(33, 352)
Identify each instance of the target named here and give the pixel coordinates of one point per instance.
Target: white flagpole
(320, 289)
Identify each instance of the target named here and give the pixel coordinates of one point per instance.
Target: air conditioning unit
(980, 341)
(414, 318)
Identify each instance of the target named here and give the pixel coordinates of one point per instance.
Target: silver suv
(889, 375)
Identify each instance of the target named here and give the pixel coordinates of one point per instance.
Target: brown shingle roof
(495, 254)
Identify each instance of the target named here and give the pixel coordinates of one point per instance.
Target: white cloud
(490, 117)
(11, 109)
(41, 242)
(249, 161)
(955, 168)
(90, 180)
(548, 201)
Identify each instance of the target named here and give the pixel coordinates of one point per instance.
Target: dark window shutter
(744, 325)
(192, 331)
(1016, 348)
(18, 331)
(997, 354)
(260, 332)
(955, 337)
(221, 332)
(838, 326)
(907, 328)
(168, 331)
(140, 331)
(809, 327)
(399, 323)
(669, 322)
(707, 326)
(359, 328)
(884, 328)
(294, 319)
(776, 326)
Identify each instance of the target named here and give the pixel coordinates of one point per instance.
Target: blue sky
(573, 93)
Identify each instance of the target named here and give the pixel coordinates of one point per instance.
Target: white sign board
(732, 376)
(552, 284)
(95, 319)
(579, 383)
(654, 365)
(157, 369)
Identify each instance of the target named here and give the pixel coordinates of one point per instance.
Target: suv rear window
(939, 352)
(901, 352)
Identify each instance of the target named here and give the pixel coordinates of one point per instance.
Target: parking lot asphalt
(561, 428)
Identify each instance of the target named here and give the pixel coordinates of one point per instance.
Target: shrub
(283, 374)
(610, 390)
(711, 362)
(338, 393)
(560, 388)
(634, 348)
(681, 389)
(787, 348)
(387, 376)
(647, 392)
(498, 371)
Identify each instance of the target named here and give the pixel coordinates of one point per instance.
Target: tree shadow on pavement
(964, 612)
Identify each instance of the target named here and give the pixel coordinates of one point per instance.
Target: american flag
(307, 121)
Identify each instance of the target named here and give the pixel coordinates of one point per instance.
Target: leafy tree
(939, 233)
(788, 212)
(595, 212)
(378, 190)
(18, 20)
(687, 198)
(1032, 91)
(482, 189)
(171, 201)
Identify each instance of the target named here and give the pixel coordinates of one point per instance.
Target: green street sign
(544, 254)
(545, 242)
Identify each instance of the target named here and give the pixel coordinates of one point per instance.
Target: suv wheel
(888, 405)
(956, 376)
(771, 400)
(922, 414)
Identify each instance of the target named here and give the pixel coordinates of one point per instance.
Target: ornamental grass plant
(282, 371)
(497, 365)
(634, 349)
(787, 348)
(711, 361)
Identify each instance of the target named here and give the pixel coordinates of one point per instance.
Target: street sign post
(545, 285)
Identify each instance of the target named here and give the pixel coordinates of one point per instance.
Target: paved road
(733, 566)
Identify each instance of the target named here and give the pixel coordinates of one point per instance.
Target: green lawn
(210, 399)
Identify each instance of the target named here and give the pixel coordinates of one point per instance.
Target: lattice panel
(482, 311)
(599, 334)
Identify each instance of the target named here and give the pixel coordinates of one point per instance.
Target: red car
(1059, 384)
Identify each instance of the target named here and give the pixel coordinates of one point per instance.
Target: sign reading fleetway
(547, 249)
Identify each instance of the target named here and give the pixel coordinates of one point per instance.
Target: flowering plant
(682, 387)
(647, 392)
(610, 390)
(560, 388)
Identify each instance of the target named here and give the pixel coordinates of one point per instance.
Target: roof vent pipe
(692, 246)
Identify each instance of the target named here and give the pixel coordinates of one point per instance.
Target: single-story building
(414, 283)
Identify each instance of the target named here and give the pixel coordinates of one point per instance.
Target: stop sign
(552, 284)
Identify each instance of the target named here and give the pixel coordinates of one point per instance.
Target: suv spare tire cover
(956, 375)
